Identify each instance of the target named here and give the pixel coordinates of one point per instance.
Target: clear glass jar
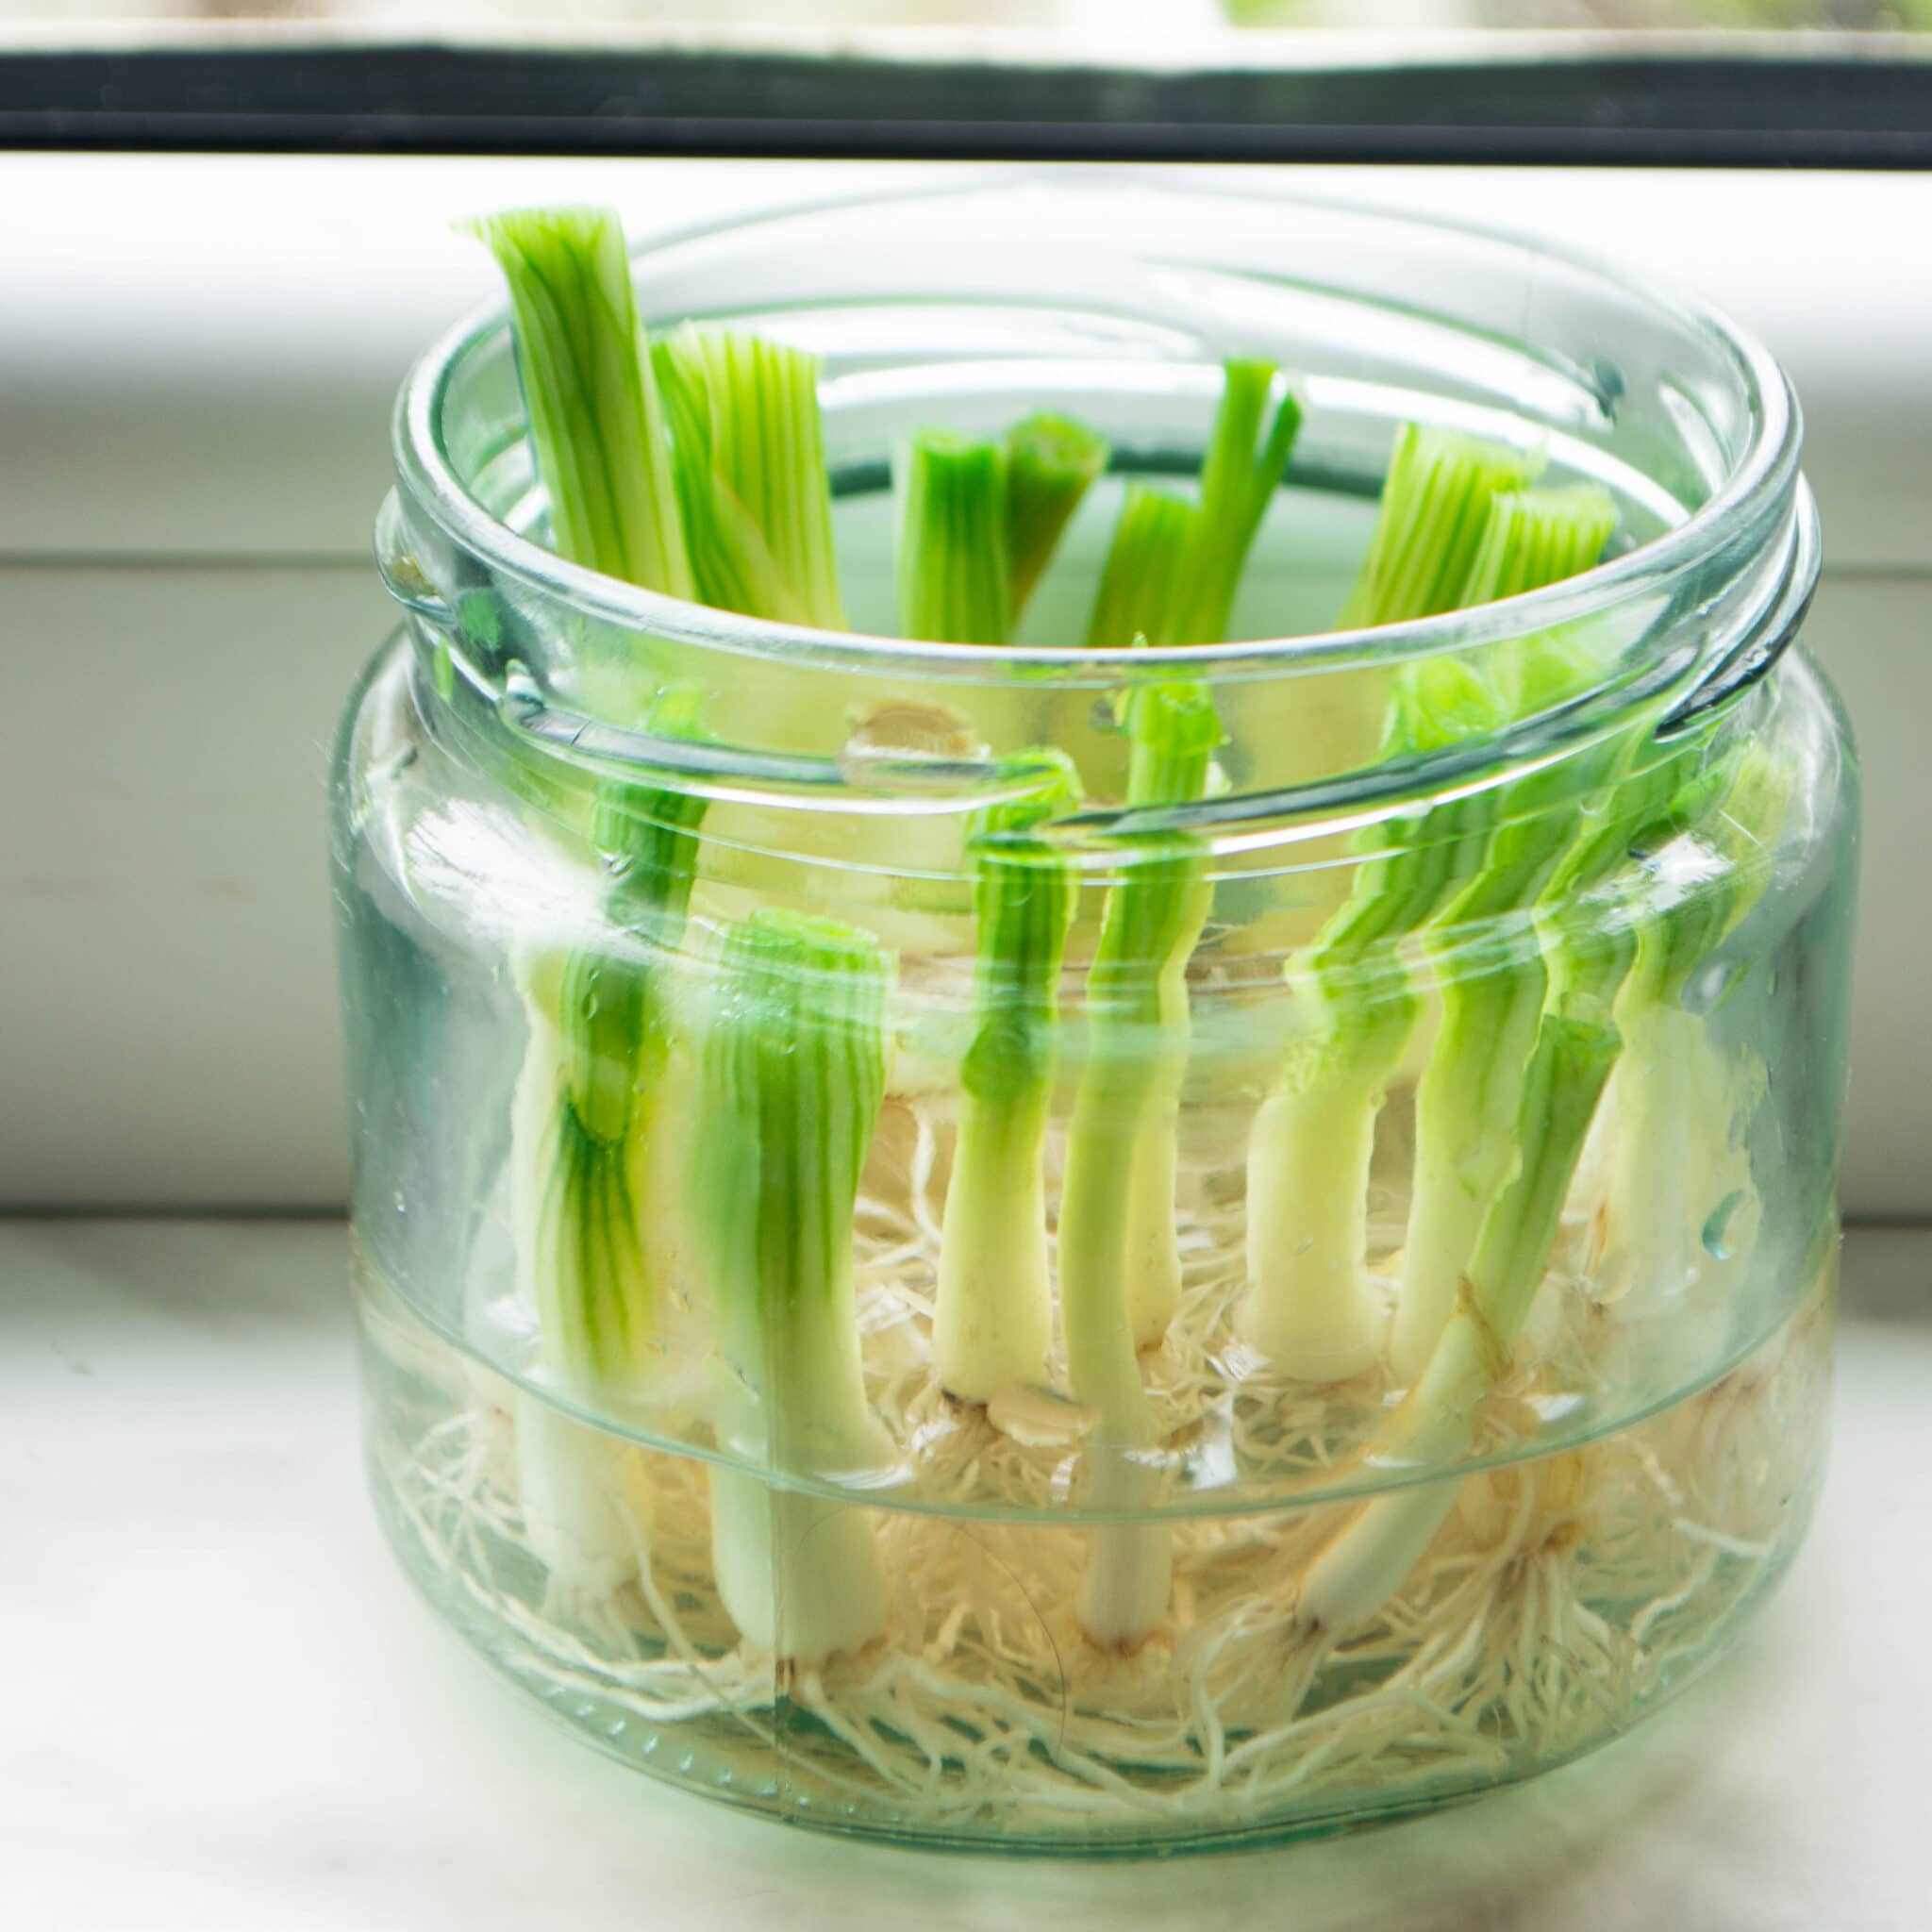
(1376, 1507)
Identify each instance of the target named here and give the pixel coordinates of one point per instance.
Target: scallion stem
(794, 1075)
(993, 1314)
(1052, 462)
(955, 585)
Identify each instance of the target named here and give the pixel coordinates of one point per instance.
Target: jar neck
(555, 705)
(1039, 292)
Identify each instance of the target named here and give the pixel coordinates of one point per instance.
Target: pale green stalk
(992, 1310)
(1533, 538)
(1309, 1307)
(1661, 1185)
(1116, 1229)
(1139, 591)
(1171, 578)
(1576, 1046)
(582, 1166)
(1174, 568)
(1357, 1573)
(1492, 975)
(596, 421)
(697, 469)
(793, 1072)
(1591, 947)
(1248, 449)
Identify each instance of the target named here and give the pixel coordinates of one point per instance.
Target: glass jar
(1400, 1365)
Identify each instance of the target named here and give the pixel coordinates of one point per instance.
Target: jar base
(1567, 1599)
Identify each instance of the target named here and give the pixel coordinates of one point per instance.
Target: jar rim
(1757, 489)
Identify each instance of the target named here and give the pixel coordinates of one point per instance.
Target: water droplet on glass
(1717, 1226)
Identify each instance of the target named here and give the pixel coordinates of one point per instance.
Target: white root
(1550, 1605)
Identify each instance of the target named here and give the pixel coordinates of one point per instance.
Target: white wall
(196, 361)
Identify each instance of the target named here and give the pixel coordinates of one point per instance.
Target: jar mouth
(1753, 497)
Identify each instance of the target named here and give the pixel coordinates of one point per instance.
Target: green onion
(1119, 1269)
(1309, 1307)
(1592, 946)
(581, 1157)
(1657, 1156)
(596, 422)
(1495, 981)
(1174, 568)
(1533, 538)
(1141, 585)
(750, 463)
(1247, 452)
(1366, 1562)
(954, 586)
(601, 1035)
(1171, 577)
(1430, 529)
(1052, 462)
(992, 1315)
(794, 1072)
(1161, 563)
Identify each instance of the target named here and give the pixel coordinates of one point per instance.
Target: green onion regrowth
(992, 1315)
(794, 1072)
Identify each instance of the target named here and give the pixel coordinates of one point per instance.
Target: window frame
(1752, 101)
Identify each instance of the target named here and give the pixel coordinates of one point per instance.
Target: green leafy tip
(1175, 730)
(1139, 593)
(1535, 538)
(953, 580)
(596, 422)
(1247, 455)
(1174, 567)
(750, 458)
(1052, 462)
(1434, 510)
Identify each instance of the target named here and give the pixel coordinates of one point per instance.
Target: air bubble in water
(1717, 1225)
